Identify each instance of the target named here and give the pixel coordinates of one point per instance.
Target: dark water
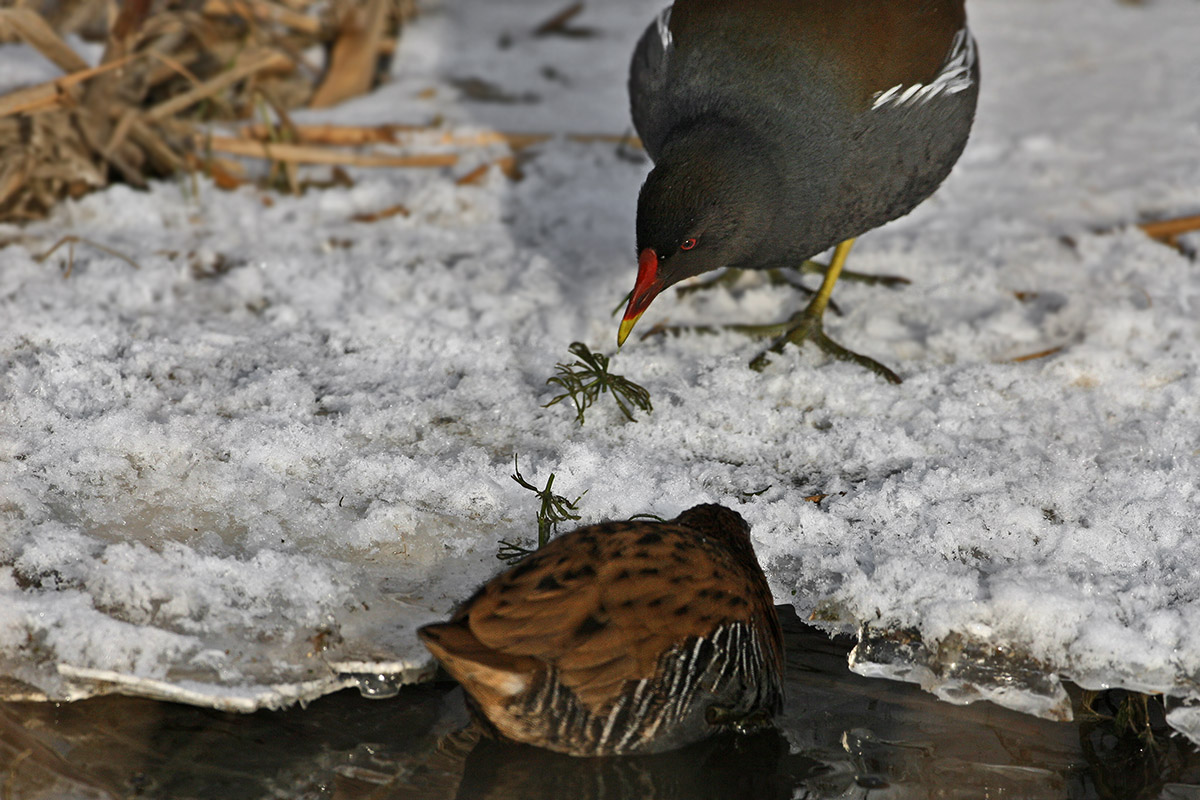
(841, 736)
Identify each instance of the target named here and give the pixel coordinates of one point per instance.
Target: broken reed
(166, 68)
(170, 69)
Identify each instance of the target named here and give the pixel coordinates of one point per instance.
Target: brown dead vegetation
(169, 68)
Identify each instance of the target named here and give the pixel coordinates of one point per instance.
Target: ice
(242, 473)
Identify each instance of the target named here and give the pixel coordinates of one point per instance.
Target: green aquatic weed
(555, 509)
(584, 380)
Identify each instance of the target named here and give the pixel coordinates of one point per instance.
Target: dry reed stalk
(352, 64)
(350, 135)
(224, 173)
(263, 11)
(1039, 354)
(30, 27)
(250, 63)
(168, 65)
(70, 241)
(398, 210)
(51, 94)
(507, 165)
(558, 21)
(307, 154)
(336, 135)
(1168, 231)
(165, 66)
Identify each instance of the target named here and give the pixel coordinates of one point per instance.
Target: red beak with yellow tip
(645, 289)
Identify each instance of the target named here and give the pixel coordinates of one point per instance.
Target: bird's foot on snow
(663, 329)
(775, 277)
(811, 267)
(726, 279)
(779, 277)
(806, 326)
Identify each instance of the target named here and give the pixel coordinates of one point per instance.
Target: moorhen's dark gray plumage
(780, 128)
(622, 638)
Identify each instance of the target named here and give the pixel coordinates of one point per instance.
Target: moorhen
(781, 128)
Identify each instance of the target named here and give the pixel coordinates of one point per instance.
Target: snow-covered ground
(244, 472)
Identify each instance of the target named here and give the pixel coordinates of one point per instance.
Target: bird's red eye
(688, 244)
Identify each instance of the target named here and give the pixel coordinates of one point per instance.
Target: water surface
(840, 736)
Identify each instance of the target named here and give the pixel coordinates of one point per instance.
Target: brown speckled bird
(622, 638)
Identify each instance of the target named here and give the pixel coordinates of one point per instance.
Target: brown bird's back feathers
(607, 611)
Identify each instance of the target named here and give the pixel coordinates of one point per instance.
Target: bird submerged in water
(622, 638)
(781, 128)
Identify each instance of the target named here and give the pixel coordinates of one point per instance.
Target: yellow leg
(818, 303)
(810, 267)
(807, 325)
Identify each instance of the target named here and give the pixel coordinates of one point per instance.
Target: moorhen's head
(704, 206)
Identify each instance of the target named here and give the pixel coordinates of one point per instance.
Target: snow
(242, 473)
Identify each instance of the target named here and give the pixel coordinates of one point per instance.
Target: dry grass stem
(225, 174)
(262, 11)
(71, 241)
(507, 165)
(355, 53)
(338, 135)
(38, 34)
(1168, 231)
(349, 135)
(1039, 354)
(397, 210)
(249, 64)
(53, 93)
(559, 21)
(308, 154)
(168, 67)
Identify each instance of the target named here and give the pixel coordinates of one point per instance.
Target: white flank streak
(741, 664)
(677, 699)
(738, 652)
(664, 28)
(632, 729)
(612, 716)
(654, 726)
(679, 674)
(954, 77)
(692, 661)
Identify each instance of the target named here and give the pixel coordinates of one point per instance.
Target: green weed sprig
(588, 377)
(555, 509)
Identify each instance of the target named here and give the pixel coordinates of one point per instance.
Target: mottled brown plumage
(625, 637)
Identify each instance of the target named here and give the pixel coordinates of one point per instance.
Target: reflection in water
(840, 736)
(751, 767)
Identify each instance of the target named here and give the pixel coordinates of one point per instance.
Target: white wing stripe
(664, 28)
(954, 77)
